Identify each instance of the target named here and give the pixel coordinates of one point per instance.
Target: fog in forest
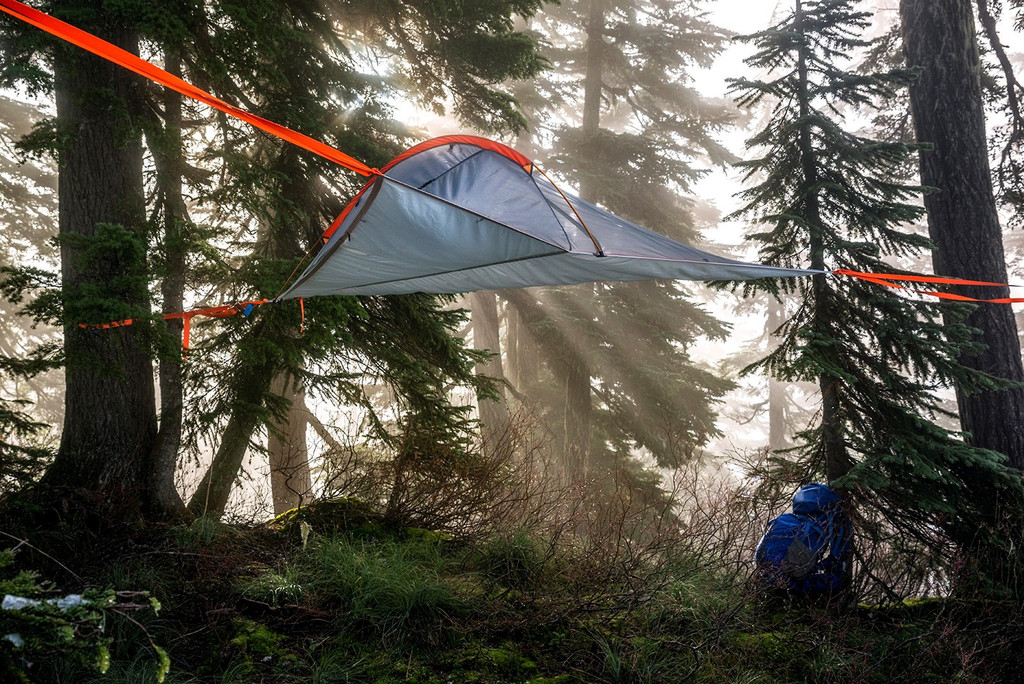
(814, 476)
(638, 410)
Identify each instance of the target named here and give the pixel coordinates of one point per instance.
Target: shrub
(515, 561)
(37, 624)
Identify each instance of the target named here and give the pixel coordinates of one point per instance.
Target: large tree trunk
(290, 481)
(110, 407)
(947, 107)
(165, 500)
(493, 413)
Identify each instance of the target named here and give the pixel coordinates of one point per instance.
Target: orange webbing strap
(111, 52)
(186, 317)
(222, 311)
(105, 326)
(917, 278)
(887, 279)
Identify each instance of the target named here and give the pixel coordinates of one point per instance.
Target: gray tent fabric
(461, 213)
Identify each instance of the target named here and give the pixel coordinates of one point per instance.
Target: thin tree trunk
(578, 399)
(281, 236)
(777, 427)
(166, 501)
(513, 337)
(836, 460)
(110, 406)
(592, 88)
(578, 406)
(493, 413)
(290, 481)
(524, 369)
(948, 112)
(253, 382)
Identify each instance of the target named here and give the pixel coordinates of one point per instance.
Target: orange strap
(222, 311)
(105, 326)
(913, 278)
(887, 279)
(111, 52)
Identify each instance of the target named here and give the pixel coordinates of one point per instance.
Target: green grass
(403, 591)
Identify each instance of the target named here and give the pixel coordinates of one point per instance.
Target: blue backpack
(807, 551)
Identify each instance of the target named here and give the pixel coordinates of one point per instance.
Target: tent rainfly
(462, 213)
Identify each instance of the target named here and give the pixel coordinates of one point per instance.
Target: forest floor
(332, 595)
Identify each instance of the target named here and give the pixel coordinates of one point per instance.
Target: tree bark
(166, 502)
(290, 480)
(948, 111)
(110, 406)
(493, 413)
(253, 382)
(777, 427)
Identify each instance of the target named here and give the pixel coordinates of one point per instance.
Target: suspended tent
(453, 214)
(462, 213)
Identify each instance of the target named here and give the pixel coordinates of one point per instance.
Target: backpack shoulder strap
(813, 526)
(841, 540)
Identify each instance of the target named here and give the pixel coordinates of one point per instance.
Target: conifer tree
(292, 62)
(621, 121)
(288, 201)
(829, 198)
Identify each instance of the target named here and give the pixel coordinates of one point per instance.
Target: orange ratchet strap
(111, 52)
(887, 279)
